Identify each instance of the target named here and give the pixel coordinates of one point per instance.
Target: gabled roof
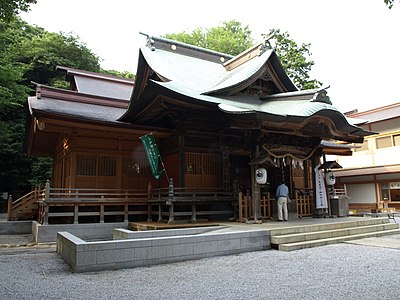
(249, 88)
(98, 84)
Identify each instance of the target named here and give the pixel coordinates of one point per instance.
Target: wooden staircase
(26, 207)
(308, 236)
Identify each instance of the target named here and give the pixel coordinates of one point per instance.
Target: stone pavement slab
(390, 241)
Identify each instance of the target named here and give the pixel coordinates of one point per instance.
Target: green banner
(153, 155)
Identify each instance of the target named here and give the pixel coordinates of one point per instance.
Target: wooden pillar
(181, 151)
(193, 218)
(240, 197)
(9, 208)
(160, 218)
(47, 191)
(126, 212)
(171, 200)
(149, 208)
(255, 189)
(102, 213)
(76, 213)
(46, 202)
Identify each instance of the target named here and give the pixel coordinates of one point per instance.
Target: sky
(355, 44)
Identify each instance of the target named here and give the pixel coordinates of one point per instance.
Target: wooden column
(46, 200)
(255, 189)
(193, 218)
(101, 213)
(171, 201)
(149, 208)
(181, 151)
(9, 208)
(76, 213)
(126, 212)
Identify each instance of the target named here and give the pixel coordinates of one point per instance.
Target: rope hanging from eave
(289, 154)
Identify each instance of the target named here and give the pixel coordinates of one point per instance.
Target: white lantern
(330, 178)
(261, 176)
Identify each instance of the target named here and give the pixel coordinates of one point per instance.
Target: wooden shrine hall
(215, 118)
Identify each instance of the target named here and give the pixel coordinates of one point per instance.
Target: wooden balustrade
(191, 202)
(246, 208)
(73, 205)
(25, 207)
(304, 202)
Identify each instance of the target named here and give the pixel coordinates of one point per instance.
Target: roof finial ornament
(321, 96)
(267, 41)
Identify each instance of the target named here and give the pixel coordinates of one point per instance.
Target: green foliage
(389, 3)
(230, 38)
(123, 74)
(29, 53)
(43, 53)
(294, 59)
(10, 8)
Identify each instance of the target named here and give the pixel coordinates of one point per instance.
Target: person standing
(282, 194)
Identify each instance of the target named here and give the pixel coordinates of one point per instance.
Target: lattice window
(86, 165)
(136, 167)
(210, 164)
(205, 164)
(129, 167)
(144, 167)
(106, 166)
(193, 163)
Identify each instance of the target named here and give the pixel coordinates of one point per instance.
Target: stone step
(323, 234)
(334, 240)
(328, 226)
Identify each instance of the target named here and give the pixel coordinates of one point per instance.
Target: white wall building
(372, 173)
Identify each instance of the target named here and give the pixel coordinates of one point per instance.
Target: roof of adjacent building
(378, 114)
(98, 84)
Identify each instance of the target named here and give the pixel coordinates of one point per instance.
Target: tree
(230, 38)
(124, 74)
(389, 3)
(11, 8)
(233, 38)
(294, 59)
(29, 53)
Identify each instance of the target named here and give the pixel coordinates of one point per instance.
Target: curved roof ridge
(151, 41)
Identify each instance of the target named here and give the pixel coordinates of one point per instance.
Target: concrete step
(328, 226)
(333, 240)
(324, 234)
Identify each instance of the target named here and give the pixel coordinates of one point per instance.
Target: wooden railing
(304, 202)
(191, 202)
(246, 207)
(98, 203)
(25, 207)
(72, 205)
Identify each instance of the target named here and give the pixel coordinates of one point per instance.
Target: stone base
(93, 231)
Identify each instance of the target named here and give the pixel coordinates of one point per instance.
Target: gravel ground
(341, 271)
